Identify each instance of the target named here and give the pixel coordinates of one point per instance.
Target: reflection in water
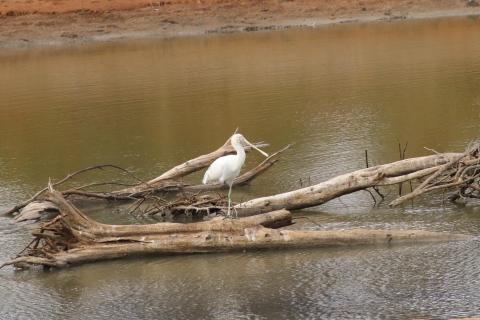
(341, 283)
(334, 92)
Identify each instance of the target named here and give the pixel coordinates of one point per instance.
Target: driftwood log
(442, 171)
(74, 238)
(382, 175)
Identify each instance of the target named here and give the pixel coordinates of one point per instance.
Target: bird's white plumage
(225, 169)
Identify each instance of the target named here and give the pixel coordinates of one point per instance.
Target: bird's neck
(240, 153)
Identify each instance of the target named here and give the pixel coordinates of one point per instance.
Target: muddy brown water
(333, 92)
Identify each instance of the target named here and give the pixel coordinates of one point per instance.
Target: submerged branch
(65, 179)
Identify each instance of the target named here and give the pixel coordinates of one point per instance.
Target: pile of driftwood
(71, 237)
(166, 194)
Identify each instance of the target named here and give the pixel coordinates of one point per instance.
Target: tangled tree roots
(460, 174)
(73, 238)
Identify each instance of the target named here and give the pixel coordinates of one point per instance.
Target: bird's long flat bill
(251, 145)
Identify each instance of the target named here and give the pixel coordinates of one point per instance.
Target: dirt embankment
(33, 23)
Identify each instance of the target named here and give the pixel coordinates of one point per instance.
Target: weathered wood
(253, 238)
(74, 238)
(245, 177)
(187, 168)
(34, 210)
(165, 183)
(65, 179)
(86, 229)
(463, 173)
(382, 175)
(386, 174)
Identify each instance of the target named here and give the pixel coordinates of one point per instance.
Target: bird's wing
(218, 170)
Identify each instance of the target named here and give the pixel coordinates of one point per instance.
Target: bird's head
(238, 139)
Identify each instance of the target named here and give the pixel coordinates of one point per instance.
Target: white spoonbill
(225, 169)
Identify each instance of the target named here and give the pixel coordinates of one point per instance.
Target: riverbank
(35, 23)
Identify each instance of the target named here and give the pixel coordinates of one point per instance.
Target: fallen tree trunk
(73, 238)
(85, 229)
(382, 175)
(253, 238)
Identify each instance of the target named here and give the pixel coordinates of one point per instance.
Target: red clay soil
(324, 6)
(29, 23)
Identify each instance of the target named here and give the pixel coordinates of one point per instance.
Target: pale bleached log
(253, 238)
(74, 238)
(386, 174)
(86, 229)
(186, 168)
(34, 210)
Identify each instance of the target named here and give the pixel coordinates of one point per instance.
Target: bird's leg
(236, 213)
(229, 200)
